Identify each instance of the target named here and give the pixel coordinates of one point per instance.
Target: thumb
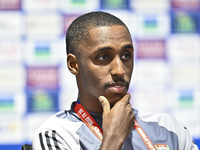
(105, 104)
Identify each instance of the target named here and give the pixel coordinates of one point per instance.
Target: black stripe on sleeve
(41, 141)
(48, 140)
(55, 140)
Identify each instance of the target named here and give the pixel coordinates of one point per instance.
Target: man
(100, 55)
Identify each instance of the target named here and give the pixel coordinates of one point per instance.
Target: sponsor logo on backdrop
(10, 25)
(150, 24)
(42, 50)
(185, 22)
(159, 5)
(78, 2)
(11, 130)
(114, 4)
(45, 77)
(78, 6)
(145, 98)
(35, 5)
(41, 100)
(151, 73)
(6, 103)
(150, 49)
(185, 4)
(68, 19)
(10, 52)
(43, 53)
(184, 48)
(10, 4)
(44, 26)
(185, 75)
(186, 98)
(11, 78)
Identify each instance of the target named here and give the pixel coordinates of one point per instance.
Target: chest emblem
(162, 147)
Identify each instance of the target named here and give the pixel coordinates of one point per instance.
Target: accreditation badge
(162, 147)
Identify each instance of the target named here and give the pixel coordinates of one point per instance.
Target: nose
(117, 68)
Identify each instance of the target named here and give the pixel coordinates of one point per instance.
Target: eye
(103, 57)
(126, 56)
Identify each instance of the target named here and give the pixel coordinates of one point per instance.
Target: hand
(117, 122)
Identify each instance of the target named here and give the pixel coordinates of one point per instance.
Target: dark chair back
(26, 147)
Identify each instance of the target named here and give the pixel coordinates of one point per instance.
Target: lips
(118, 87)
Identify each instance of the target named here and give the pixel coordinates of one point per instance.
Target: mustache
(119, 80)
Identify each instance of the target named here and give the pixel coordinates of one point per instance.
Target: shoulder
(62, 120)
(162, 119)
(171, 124)
(57, 129)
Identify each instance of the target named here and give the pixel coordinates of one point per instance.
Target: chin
(115, 98)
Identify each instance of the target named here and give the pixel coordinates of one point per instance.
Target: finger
(126, 99)
(105, 104)
(129, 105)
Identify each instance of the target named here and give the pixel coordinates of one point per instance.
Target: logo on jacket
(162, 147)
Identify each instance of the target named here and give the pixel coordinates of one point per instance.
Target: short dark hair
(78, 31)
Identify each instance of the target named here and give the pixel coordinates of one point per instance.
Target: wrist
(112, 142)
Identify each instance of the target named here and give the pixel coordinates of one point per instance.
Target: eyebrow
(100, 49)
(129, 46)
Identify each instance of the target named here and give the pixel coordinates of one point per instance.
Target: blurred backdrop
(35, 82)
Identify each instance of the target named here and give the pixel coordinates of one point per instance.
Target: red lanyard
(94, 127)
(144, 137)
(88, 120)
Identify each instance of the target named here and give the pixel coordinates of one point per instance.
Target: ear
(72, 64)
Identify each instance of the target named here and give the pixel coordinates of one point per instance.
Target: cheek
(91, 77)
(96, 81)
(129, 72)
(96, 76)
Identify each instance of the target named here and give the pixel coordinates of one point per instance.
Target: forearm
(112, 142)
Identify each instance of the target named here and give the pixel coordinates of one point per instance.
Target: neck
(92, 105)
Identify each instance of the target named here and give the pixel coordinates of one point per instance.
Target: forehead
(106, 34)
(116, 37)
